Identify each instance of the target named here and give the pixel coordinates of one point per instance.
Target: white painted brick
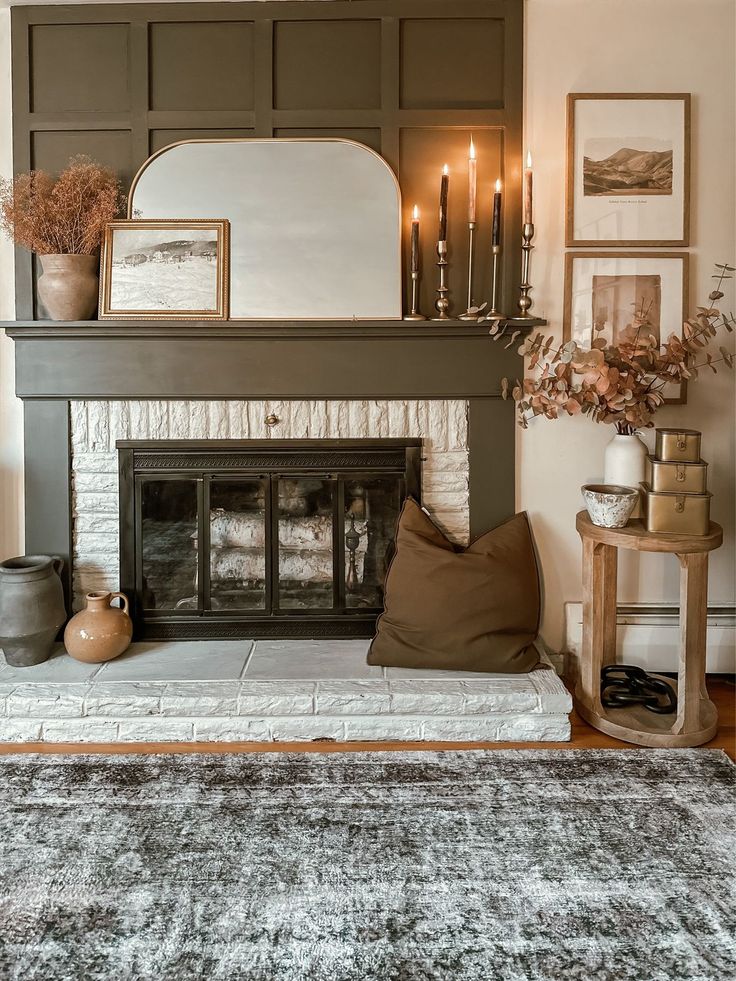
(298, 728)
(427, 697)
(457, 436)
(200, 699)
(95, 462)
(232, 730)
(98, 423)
(102, 502)
(88, 543)
(138, 419)
(80, 731)
(39, 701)
(119, 422)
(437, 422)
(481, 703)
(353, 698)
(122, 699)
(257, 419)
(96, 523)
(269, 698)
(156, 729)
(386, 728)
(78, 424)
(398, 419)
(234, 420)
(179, 420)
(358, 414)
(544, 728)
(158, 420)
(443, 461)
(445, 500)
(20, 730)
(338, 419)
(217, 420)
(468, 729)
(452, 481)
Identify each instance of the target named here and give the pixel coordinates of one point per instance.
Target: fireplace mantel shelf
(418, 330)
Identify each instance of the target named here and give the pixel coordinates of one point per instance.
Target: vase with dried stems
(63, 220)
(623, 383)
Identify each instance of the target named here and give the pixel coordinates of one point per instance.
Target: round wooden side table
(696, 720)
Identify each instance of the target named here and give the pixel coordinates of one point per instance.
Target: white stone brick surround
(224, 691)
(95, 427)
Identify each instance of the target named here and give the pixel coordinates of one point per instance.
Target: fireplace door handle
(272, 420)
(124, 598)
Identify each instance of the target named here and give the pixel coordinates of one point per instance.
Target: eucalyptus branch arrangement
(62, 216)
(622, 384)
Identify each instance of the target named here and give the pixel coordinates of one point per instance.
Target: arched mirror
(315, 224)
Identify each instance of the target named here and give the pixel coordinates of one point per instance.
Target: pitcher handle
(58, 564)
(124, 598)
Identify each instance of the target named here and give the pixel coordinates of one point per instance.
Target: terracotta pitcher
(31, 608)
(99, 632)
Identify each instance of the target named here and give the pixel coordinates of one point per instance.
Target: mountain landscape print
(622, 167)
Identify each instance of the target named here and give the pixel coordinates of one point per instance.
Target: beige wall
(620, 46)
(571, 45)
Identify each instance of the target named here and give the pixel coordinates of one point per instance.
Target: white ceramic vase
(624, 461)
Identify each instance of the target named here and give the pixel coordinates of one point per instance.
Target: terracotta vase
(31, 608)
(68, 286)
(99, 632)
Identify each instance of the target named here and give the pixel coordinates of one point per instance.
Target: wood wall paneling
(409, 78)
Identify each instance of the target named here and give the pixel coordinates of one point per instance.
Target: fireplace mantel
(187, 359)
(57, 363)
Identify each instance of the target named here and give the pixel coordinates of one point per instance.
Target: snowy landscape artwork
(163, 269)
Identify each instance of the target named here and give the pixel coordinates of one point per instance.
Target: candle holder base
(414, 316)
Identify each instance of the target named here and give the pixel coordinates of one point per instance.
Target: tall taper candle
(415, 240)
(496, 228)
(444, 186)
(472, 181)
(528, 219)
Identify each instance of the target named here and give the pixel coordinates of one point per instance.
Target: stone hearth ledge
(221, 696)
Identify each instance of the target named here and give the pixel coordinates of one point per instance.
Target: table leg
(693, 630)
(599, 619)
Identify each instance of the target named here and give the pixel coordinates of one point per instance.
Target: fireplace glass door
(247, 542)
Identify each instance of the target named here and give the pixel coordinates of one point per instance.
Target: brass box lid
(677, 476)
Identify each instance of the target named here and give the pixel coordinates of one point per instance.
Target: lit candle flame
(472, 149)
(529, 158)
(498, 186)
(415, 213)
(445, 170)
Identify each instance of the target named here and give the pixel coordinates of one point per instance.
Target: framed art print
(628, 169)
(164, 270)
(608, 290)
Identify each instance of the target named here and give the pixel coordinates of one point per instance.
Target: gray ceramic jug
(31, 607)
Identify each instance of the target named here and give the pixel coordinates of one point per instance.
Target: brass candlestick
(414, 314)
(442, 303)
(471, 250)
(494, 313)
(525, 301)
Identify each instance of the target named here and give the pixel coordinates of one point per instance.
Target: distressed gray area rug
(466, 866)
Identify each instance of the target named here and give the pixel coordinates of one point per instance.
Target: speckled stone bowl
(609, 505)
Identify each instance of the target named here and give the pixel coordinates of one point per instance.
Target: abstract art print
(158, 270)
(628, 168)
(615, 295)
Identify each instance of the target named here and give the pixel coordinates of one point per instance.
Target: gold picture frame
(624, 275)
(660, 170)
(124, 292)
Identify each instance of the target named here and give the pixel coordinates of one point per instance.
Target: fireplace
(260, 538)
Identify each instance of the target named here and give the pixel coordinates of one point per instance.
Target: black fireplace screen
(261, 538)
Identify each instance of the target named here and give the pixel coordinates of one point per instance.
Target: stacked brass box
(676, 497)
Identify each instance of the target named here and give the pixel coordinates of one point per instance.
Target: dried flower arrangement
(621, 384)
(65, 216)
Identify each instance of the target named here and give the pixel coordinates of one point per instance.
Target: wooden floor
(722, 691)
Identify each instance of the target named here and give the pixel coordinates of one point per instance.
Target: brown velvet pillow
(473, 609)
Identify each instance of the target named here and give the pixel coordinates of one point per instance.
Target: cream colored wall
(628, 46)
(571, 45)
(11, 415)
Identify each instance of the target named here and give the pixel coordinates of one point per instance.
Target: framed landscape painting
(609, 293)
(165, 270)
(628, 169)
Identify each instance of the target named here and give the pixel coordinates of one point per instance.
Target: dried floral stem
(63, 216)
